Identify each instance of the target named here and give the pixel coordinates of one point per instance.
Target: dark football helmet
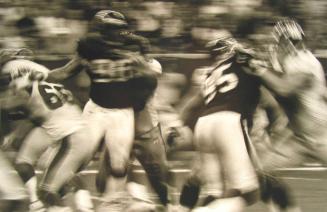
(225, 48)
(222, 47)
(109, 18)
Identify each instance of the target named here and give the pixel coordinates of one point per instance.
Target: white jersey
(52, 105)
(48, 104)
(309, 120)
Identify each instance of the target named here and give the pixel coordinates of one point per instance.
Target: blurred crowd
(51, 27)
(195, 94)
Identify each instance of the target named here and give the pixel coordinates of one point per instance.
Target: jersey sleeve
(20, 67)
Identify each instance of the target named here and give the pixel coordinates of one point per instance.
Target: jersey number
(218, 82)
(54, 95)
(104, 71)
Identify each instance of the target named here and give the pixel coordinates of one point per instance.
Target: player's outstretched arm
(73, 67)
(286, 84)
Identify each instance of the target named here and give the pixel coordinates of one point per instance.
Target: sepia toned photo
(163, 106)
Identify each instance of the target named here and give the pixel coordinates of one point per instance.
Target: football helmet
(110, 18)
(288, 29)
(225, 48)
(289, 40)
(222, 47)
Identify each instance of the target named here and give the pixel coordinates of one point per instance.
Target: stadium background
(177, 31)
(182, 27)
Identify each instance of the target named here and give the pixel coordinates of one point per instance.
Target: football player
(51, 107)
(121, 83)
(227, 99)
(149, 147)
(296, 78)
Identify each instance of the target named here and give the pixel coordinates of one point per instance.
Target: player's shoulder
(92, 46)
(317, 69)
(303, 62)
(89, 40)
(89, 37)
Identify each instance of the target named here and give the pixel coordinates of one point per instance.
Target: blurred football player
(121, 83)
(227, 99)
(296, 78)
(175, 133)
(51, 107)
(149, 147)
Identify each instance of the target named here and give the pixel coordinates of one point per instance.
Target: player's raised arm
(22, 73)
(73, 67)
(283, 84)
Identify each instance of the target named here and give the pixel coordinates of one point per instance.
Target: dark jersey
(227, 88)
(112, 88)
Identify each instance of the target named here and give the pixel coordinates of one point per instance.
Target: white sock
(83, 199)
(31, 186)
(115, 187)
(232, 204)
(138, 192)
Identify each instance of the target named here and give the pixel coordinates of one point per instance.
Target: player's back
(227, 88)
